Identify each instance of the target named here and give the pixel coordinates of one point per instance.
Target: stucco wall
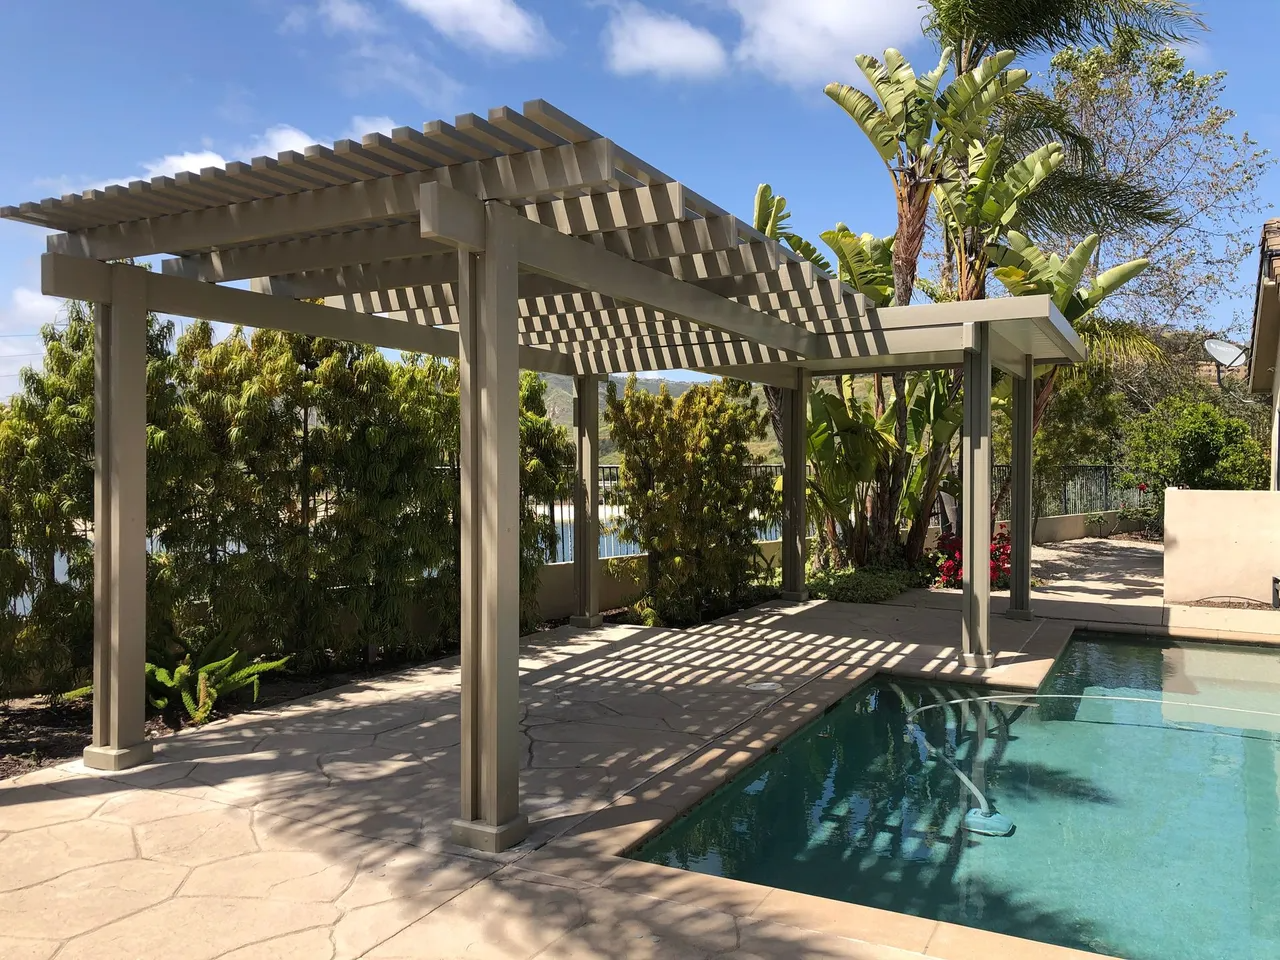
(1220, 544)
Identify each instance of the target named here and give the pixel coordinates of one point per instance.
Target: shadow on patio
(320, 829)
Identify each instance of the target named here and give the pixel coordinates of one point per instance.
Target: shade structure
(521, 240)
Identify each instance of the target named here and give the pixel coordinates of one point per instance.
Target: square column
(586, 504)
(120, 525)
(489, 435)
(975, 597)
(1020, 488)
(795, 462)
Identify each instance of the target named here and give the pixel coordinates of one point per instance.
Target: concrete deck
(319, 830)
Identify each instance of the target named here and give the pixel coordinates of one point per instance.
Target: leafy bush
(861, 585)
(301, 491)
(950, 560)
(1149, 522)
(688, 495)
(1183, 443)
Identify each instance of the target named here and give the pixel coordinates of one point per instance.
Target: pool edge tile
(851, 920)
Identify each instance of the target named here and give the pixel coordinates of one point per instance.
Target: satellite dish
(1227, 354)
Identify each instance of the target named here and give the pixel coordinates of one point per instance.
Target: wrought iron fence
(1083, 488)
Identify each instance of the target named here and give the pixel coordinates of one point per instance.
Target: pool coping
(593, 853)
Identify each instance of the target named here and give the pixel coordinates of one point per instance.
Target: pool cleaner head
(988, 824)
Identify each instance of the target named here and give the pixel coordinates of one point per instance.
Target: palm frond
(1072, 201)
(1045, 26)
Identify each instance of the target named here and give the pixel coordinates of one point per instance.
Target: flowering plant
(951, 561)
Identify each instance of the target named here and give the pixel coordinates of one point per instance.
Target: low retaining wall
(1220, 544)
(555, 591)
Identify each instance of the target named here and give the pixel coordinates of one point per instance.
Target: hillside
(560, 407)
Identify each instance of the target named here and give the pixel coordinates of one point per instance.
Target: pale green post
(975, 599)
(489, 378)
(120, 526)
(1020, 479)
(795, 424)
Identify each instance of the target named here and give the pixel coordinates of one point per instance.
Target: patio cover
(524, 240)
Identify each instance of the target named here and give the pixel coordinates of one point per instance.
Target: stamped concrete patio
(320, 830)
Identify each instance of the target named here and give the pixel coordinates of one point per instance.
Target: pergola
(524, 240)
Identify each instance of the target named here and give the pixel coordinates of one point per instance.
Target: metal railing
(1084, 488)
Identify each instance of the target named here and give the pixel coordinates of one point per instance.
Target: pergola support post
(795, 426)
(586, 504)
(975, 598)
(120, 526)
(489, 378)
(1020, 485)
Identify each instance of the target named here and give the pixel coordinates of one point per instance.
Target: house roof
(1265, 340)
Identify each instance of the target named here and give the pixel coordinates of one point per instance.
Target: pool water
(1142, 782)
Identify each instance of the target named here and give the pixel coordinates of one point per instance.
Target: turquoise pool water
(1143, 783)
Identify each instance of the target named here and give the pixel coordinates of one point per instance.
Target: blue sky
(721, 94)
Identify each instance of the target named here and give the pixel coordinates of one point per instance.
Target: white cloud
(275, 140)
(25, 313)
(348, 16)
(638, 40)
(361, 125)
(502, 26)
(803, 42)
(376, 66)
(172, 163)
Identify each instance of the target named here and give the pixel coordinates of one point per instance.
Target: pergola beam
(541, 173)
(73, 277)
(449, 215)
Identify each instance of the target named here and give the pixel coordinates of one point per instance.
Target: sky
(720, 94)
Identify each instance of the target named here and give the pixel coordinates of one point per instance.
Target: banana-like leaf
(868, 116)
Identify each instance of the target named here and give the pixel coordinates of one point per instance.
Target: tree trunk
(773, 399)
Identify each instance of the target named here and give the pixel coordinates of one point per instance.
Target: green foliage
(860, 585)
(865, 262)
(547, 465)
(847, 444)
(301, 493)
(688, 495)
(1193, 444)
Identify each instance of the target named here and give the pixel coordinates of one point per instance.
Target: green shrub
(689, 495)
(863, 585)
(1183, 443)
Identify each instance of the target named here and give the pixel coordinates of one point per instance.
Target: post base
(1019, 614)
(485, 836)
(588, 622)
(981, 660)
(117, 758)
(795, 596)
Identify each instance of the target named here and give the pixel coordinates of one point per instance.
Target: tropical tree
(847, 444)
(917, 132)
(1024, 269)
(1163, 127)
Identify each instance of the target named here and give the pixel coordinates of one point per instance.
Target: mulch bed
(1231, 604)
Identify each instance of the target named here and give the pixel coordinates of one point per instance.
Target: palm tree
(973, 28)
(1082, 194)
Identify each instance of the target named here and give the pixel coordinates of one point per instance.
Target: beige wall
(555, 591)
(1220, 544)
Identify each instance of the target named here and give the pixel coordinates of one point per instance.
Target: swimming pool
(1142, 785)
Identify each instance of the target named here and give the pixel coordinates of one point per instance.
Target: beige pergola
(520, 240)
